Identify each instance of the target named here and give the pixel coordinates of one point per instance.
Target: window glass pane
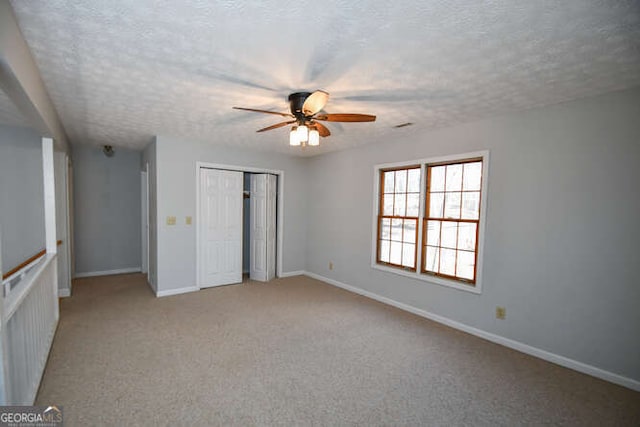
(471, 205)
(432, 259)
(396, 253)
(401, 181)
(413, 182)
(436, 205)
(413, 204)
(472, 174)
(454, 177)
(448, 261)
(453, 196)
(388, 181)
(467, 236)
(385, 228)
(466, 263)
(410, 231)
(437, 178)
(449, 234)
(396, 229)
(452, 205)
(433, 233)
(384, 250)
(400, 206)
(409, 255)
(388, 205)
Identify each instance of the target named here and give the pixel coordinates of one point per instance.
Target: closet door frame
(279, 213)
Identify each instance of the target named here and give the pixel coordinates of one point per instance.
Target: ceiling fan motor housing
(296, 101)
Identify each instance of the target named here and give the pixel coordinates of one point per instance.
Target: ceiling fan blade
(315, 102)
(346, 117)
(263, 111)
(322, 129)
(276, 126)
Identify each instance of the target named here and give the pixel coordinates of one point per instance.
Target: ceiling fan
(305, 113)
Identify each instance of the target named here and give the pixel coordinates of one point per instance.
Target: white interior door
(272, 191)
(220, 226)
(263, 227)
(60, 176)
(70, 229)
(144, 206)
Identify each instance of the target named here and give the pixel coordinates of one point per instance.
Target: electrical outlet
(501, 313)
(187, 220)
(171, 220)
(330, 265)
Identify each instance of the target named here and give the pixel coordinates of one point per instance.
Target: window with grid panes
(452, 220)
(398, 215)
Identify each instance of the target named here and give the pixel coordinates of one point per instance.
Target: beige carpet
(297, 352)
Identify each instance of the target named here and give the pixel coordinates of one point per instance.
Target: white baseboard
(108, 272)
(177, 291)
(293, 273)
(63, 293)
(516, 345)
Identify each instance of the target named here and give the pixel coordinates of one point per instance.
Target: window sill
(431, 279)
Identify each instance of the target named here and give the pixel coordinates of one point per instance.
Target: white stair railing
(30, 318)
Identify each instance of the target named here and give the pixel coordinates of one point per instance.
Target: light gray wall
(562, 230)
(107, 209)
(176, 169)
(21, 195)
(149, 157)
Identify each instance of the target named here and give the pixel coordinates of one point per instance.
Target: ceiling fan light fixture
(303, 133)
(306, 112)
(314, 138)
(294, 139)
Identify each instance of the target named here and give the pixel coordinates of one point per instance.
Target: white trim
(17, 295)
(67, 210)
(109, 272)
(64, 293)
(293, 273)
(515, 345)
(144, 207)
(22, 272)
(477, 289)
(49, 196)
(70, 215)
(428, 278)
(279, 215)
(177, 291)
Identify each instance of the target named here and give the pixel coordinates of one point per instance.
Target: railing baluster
(29, 327)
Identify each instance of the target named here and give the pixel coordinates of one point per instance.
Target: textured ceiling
(122, 71)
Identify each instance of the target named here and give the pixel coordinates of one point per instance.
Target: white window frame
(477, 289)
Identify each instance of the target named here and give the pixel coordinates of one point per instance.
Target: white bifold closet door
(262, 219)
(220, 227)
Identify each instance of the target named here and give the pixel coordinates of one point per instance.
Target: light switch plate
(187, 220)
(171, 220)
